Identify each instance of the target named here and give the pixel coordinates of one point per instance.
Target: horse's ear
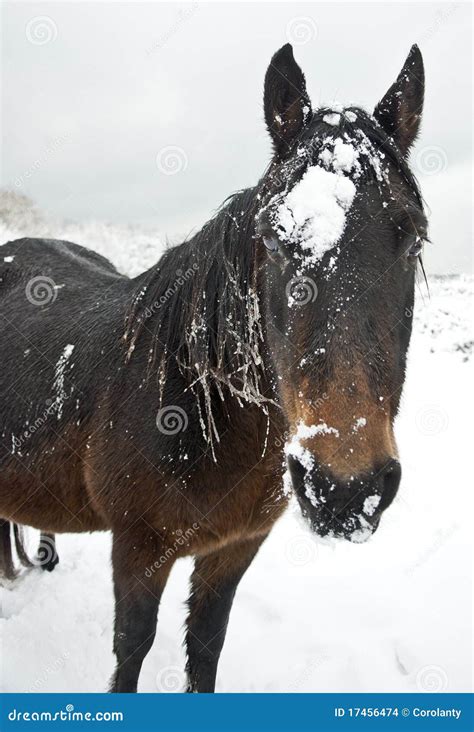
(286, 103)
(399, 112)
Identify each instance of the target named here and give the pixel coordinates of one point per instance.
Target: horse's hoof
(50, 564)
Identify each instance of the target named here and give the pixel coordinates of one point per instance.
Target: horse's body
(98, 411)
(156, 407)
(36, 338)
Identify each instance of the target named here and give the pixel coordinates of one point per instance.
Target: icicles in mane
(238, 366)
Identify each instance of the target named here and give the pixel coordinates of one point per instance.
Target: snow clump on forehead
(313, 213)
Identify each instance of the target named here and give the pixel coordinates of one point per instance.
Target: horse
(161, 403)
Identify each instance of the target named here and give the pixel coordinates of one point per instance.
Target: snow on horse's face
(340, 229)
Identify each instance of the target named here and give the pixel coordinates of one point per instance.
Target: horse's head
(340, 229)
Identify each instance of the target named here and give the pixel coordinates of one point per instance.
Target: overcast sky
(95, 94)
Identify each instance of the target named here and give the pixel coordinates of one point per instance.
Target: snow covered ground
(390, 615)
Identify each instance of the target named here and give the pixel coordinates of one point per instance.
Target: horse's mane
(199, 306)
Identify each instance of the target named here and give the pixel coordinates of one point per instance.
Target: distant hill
(131, 248)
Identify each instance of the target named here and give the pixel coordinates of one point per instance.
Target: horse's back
(62, 311)
(52, 292)
(25, 258)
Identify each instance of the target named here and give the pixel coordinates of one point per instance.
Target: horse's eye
(271, 244)
(416, 247)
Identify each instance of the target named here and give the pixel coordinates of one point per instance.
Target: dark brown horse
(156, 407)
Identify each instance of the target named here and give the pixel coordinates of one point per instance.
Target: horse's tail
(47, 556)
(7, 568)
(20, 546)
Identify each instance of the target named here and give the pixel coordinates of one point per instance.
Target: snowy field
(390, 615)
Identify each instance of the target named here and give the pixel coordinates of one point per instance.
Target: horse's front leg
(213, 584)
(139, 581)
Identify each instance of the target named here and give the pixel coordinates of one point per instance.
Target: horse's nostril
(389, 479)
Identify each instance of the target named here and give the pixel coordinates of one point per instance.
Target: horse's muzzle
(345, 509)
